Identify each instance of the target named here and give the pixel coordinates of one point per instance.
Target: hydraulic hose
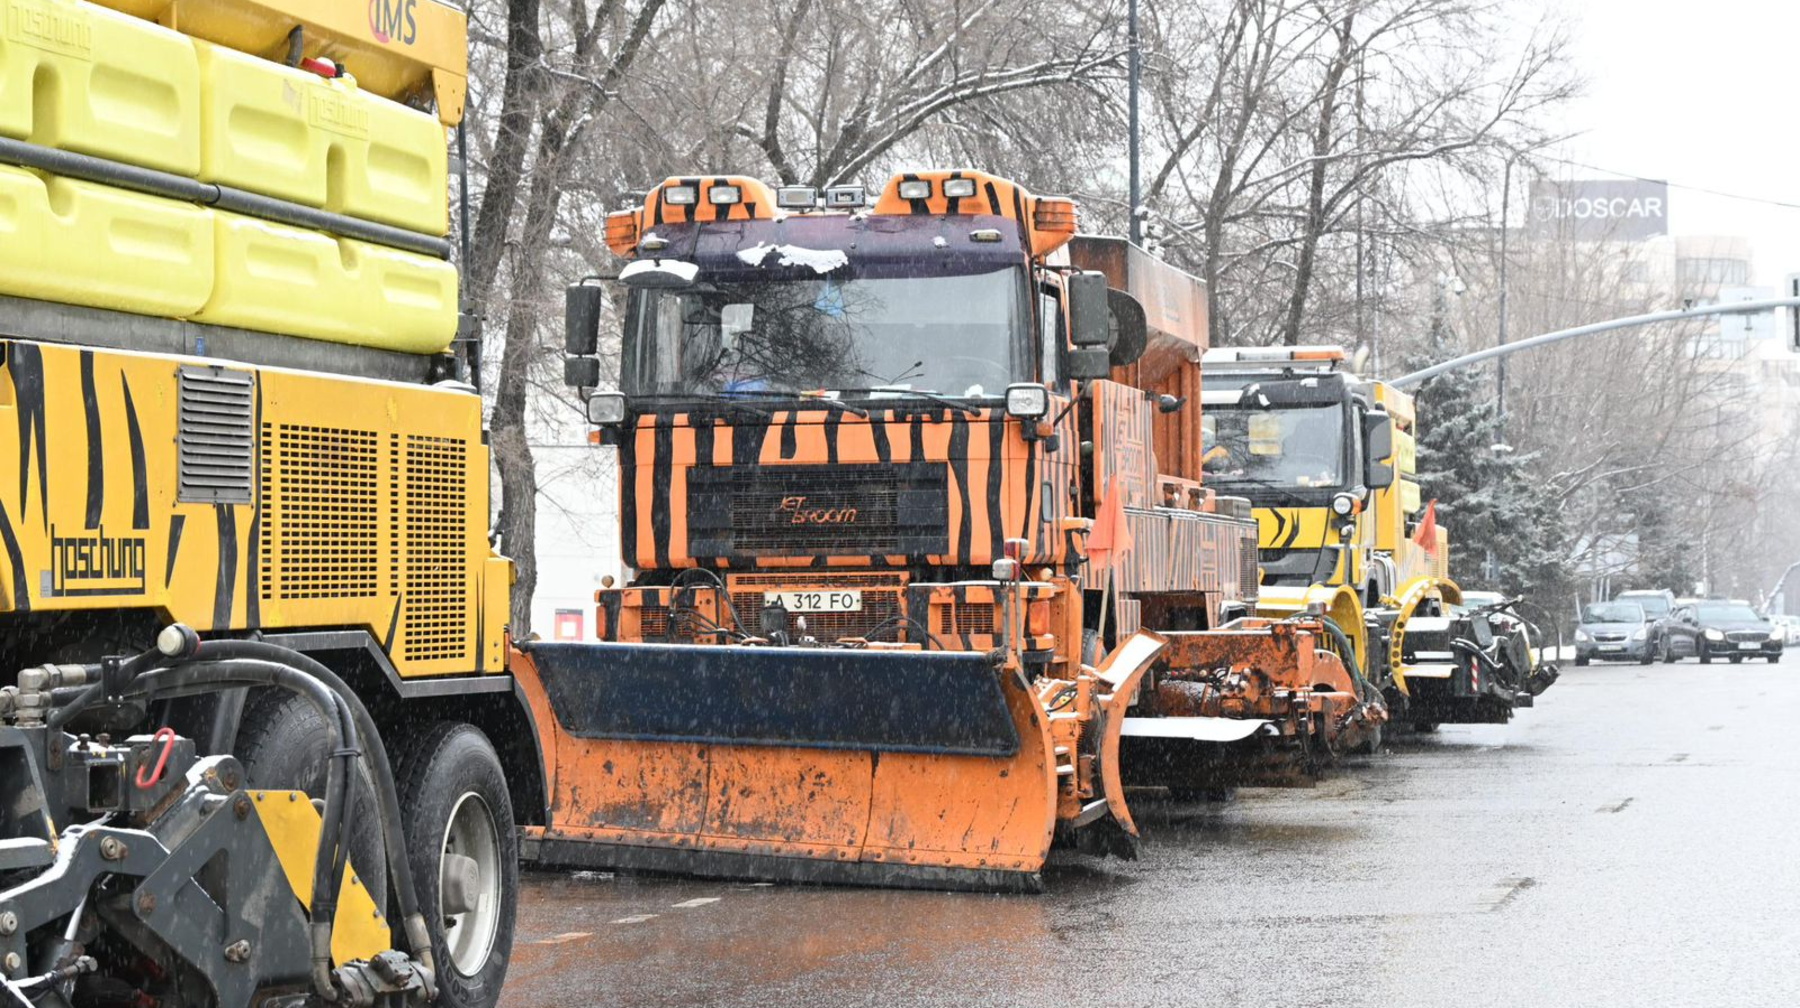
(1472, 650)
(1344, 644)
(393, 836)
(205, 675)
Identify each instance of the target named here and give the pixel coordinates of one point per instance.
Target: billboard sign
(1600, 209)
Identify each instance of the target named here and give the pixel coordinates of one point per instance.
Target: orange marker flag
(1426, 534)
(1112, 533)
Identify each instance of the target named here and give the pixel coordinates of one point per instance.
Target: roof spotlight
(958, 188)
(796, 197)
(915, 189)
(679, 195)
(724, 195)
(845, 196)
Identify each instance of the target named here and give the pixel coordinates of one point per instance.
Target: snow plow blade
(889, 768)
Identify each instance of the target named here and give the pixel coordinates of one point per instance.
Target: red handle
(166, 736)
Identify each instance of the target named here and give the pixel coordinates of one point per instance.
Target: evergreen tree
(1491, 498)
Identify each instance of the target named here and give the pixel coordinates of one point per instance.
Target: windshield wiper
(968, 408)
(710, 397)
(1291, 493)
(804, 397)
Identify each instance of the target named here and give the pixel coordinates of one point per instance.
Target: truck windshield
(1299, 446)
(952, 334)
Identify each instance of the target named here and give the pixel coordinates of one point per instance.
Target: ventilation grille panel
(215, 436)
(321, 520)
(436, 585)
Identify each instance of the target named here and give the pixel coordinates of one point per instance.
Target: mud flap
(1121, 671)
(794, 764)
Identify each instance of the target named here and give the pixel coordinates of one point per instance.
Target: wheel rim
(469, 937)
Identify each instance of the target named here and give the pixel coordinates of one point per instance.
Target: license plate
(1612, 647)
(815, 601)
(1749, 646)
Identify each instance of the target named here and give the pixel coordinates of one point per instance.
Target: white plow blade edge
(1200, 729)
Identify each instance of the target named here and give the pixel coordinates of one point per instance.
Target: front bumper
(1627, 651)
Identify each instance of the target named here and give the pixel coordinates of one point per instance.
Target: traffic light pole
(1456, 363)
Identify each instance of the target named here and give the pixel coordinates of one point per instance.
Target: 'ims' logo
(394, 20)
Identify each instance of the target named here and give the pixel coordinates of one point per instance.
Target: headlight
(1641, 633)
(1581, 634)
(1712, 634)
(1027, 401)
(606, 409)
(1343, 504)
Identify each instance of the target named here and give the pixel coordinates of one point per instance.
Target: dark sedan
(1709, 630)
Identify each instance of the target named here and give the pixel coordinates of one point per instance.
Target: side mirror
(1089, 363)
(581, 372)
(582, 305)
(1090, 321)
(1378, 444)
(1130, 331)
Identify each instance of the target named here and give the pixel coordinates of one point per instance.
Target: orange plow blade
(908, 769)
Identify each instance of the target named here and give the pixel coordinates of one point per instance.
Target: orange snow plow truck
(925, 575)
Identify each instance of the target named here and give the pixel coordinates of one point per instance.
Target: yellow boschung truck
(243, 499)
(1327, 456)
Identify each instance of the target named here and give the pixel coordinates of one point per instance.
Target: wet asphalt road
(1633, 840)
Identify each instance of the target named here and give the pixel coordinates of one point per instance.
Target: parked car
(1612, 631)
(1788, 626)
(1711, 629)
(1657, 604)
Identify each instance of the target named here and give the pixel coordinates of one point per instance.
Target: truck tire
(454, 799)
(284, 744)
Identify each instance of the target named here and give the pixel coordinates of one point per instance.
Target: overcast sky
(1701, 94)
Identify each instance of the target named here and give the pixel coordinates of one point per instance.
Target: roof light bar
(1274, 355)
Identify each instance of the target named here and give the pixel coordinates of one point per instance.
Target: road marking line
(564, 938)
(698, 901)
(634, 919)
(1515, 887)
(1620, 807)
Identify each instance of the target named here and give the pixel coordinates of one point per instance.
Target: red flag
(1112, 533)
(1426, 534)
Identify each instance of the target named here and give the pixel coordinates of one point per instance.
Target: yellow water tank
(82, 78)
(80, 243)
(291, 134)
(281, 279)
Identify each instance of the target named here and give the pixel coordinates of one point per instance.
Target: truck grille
(797, 511)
